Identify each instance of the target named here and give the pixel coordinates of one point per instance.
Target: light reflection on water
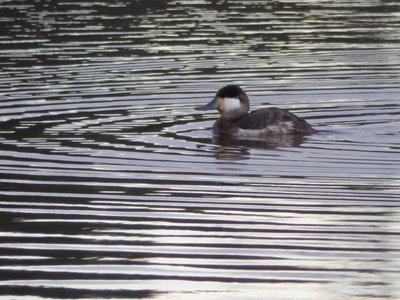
(112, 186)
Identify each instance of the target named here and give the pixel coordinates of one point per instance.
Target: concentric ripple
(112, 186)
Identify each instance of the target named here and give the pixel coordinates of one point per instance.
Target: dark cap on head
(230, 91)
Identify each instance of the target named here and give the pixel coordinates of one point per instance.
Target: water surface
(112, 186)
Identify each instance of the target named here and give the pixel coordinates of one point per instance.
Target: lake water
(112, 185)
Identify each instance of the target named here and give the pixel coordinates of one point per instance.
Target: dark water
(112, 186)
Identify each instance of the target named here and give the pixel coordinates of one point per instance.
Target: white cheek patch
(231, 104)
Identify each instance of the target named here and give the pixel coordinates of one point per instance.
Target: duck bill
(212, 105)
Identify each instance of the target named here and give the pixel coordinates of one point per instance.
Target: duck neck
(234, 117)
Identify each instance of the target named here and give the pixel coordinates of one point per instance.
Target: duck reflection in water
(274, 126)
(233, 148)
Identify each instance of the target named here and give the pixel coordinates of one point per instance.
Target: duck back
(267, 121)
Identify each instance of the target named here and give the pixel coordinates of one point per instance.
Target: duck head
(231, 102)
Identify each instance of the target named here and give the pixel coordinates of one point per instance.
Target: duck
(235, 120)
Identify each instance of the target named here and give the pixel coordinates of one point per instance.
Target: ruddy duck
(235, 120)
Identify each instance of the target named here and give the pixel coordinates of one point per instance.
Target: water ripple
(112, 186)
